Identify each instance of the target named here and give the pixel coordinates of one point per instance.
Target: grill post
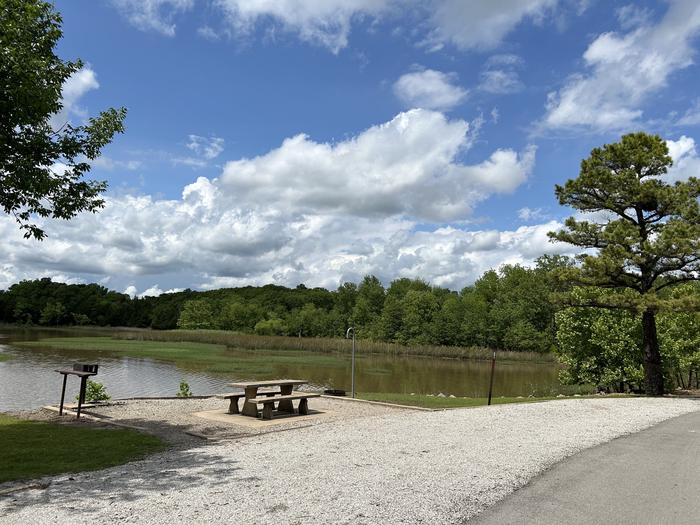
(63, 394)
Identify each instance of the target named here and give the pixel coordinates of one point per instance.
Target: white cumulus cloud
(153, 15)
(623, 70)
(307, 211)
(74, 88)
(500, 81)
(429, 89)
(531, 214)
(482, 25)
(686, 162)
(206, 147)
(692, 115)
(324, 22)
(406, 166)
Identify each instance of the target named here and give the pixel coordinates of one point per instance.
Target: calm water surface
(28, 380)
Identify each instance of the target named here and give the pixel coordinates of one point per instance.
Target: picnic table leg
(81, 395)
(250, 409)
(303, 407)
(286, 405)
(233, 406)
(267, 410)
(63, 395)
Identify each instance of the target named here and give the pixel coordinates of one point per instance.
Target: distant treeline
(507, 309)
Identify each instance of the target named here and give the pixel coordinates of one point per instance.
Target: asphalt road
(652, 477)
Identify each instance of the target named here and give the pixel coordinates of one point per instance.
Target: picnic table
(268, 399)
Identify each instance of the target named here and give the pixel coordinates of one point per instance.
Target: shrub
(95, 391)
(184, 390)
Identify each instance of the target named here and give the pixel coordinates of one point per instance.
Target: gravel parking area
(399, 467)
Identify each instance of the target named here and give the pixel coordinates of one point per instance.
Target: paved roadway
(652, 477)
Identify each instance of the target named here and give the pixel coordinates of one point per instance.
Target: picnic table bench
(283, 398)
(233, 398)
(269, 403)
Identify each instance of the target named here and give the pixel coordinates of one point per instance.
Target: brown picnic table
(284, 399)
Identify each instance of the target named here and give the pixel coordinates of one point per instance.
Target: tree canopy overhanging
(645, 237)
(42, 167)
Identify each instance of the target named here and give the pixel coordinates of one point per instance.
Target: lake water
(28, 380)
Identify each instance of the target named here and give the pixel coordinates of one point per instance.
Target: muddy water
(28, 380)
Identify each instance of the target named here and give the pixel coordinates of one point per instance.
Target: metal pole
(63, 394)
(493, 367)
(353, 362)
(81, 395)
(352, 373)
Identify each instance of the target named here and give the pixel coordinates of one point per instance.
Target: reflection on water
(28, 380)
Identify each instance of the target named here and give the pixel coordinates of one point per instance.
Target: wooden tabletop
(78, 373)
(275, 382)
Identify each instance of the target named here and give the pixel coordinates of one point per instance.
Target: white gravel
(404, 467)
(170, 419)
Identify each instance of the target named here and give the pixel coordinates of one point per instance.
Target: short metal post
(352, 373)
(81, 395)
(63, 394)
(493, 367)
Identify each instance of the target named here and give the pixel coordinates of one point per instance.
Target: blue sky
(317, 141)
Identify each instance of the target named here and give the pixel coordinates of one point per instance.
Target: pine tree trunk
(653, 372)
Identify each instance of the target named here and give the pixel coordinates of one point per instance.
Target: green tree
(80, 319)
(31, 79)
(272, 326)
(165, 315)
(521, 314)
(196, 315)
(473, 331)
(369, 303)
(679, 337)
(649, 239)
(446, 327)
(240, 317)
(599, 346)
(418, 311)
(345, 298)
(391, 320)
(307, 321)
(53, 313)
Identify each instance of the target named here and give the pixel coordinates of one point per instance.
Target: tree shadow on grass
(189, 462)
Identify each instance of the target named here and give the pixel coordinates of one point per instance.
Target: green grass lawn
(31, 449)
(205, 357)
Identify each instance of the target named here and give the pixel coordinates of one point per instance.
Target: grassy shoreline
(328, 345)
(32, 449)
(240, 341)
(205, 357)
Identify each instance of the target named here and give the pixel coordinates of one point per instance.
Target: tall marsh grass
(327, 345)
